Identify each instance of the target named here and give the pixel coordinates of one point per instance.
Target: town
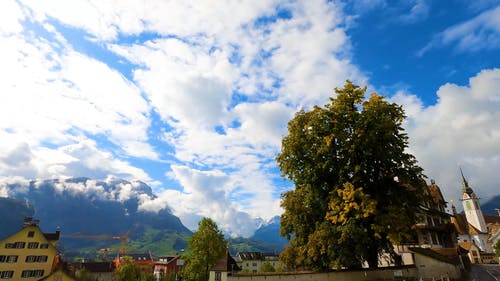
(445, 246)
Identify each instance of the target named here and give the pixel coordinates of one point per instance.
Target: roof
(492, 219)
(435, 193)
(460, 223)
(435, 255)
(255, 255)
(227, 263)
(139, 257)
(52, 236)
(98, 266)
(167, 259)
(462, 226)
(467, 245)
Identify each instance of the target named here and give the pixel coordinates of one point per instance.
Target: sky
(194, 97)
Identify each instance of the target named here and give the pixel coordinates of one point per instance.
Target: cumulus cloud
(223, 83)
(55, 101)
(461, 128)
(479, 33)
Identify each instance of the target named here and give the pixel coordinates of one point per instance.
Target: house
(98, 271)
(167, 266)
(253, 261)
(472, 250)
(144, 262)
(433, 230)
(224, 269)
(28, 254)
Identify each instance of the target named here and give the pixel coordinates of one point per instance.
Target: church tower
(472, 210)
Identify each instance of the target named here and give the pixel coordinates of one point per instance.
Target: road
(485, 272)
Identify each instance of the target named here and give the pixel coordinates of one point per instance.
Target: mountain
(270, 233)
(489, 207)
(265, 239)
(13, 212)
(85, 207)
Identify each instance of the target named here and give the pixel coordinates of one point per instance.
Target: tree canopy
(206, 247)
(127, 271)
(356, 187)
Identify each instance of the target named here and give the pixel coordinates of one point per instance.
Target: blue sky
(194, 98)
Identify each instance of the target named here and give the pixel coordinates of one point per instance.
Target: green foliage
(496, 248)
(84, 275)
(267, 267)
(127, 271)
(206, 247)
(356, 188)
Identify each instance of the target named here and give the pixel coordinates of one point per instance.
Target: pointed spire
(465, 185)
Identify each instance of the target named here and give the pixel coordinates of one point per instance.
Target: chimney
(27, 221)
(36, 222)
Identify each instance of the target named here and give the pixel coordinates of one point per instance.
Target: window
(6, 274)
(9, 246)
(254, 264)
(31, 234)
(31, 259)
(11, 259)
(2, 258)
(218, 276)
(44, 246)
(33, 245)
(41, 259)
(32, 273)
(26, 273)
(19, 245)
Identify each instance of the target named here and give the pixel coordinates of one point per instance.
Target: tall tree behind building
(356, 187)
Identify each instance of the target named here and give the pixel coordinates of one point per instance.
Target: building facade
(252, 261)
(28, 254)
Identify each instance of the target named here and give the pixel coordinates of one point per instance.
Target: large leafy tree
(206, 247)
(356, 187)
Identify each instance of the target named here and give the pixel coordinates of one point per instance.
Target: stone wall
(399, 273)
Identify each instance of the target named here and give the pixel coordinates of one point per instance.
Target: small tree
(206, 247)
(267, 267)
(127, 271)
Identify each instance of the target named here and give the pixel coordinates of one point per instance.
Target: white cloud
(224, 77)
(461, 128)
(418, 12)
(479, 33)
